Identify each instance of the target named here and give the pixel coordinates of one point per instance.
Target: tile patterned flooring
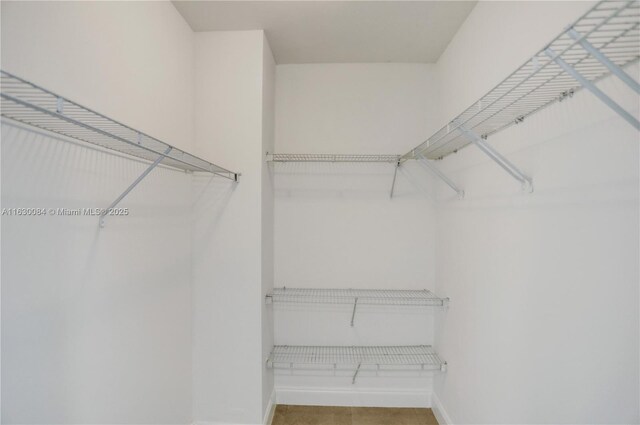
(324, 415)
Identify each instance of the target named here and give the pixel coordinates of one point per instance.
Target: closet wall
(138, 322)
(106, 326)
(96, 324)
(544, 286)
(232, 223)
(335, 226)
(268, 222)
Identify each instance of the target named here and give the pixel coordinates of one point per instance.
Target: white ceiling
(338, 31)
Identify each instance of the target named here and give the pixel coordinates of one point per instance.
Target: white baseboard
(363, 397)
(268, 414)
(271, 409)
(438, 410)
(217, 423)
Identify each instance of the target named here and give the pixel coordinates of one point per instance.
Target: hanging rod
(30, 104)
(601, 42)
(305, 157)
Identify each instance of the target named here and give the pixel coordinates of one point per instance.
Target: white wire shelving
(33, 105)
(357, 297)
(603, 41)
(301, 157)
(422, 297)
(356, 358)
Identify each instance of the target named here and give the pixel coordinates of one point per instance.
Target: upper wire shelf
(301, 157)
(395, 357)
(33, 105)
(362, 296)
(612, 27)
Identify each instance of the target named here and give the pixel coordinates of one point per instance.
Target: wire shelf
(30, 104)
(363, 296)
(612, 27)
(293, 157)
(400, 357)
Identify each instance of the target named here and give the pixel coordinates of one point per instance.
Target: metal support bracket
(527, 183)
(353, 381)
(446, 302)
(434, 170)
(134, 184)
(60, 105)
(593, 89)
(353, 314)
(615, 69)
(393, 183)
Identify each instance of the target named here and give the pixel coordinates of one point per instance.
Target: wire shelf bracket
(525, 181)
(105, 213)
(33, 105)
(393, 183)
(613, 68)
(428, 164)
(353, 314)
(355, 375)
(592, 87)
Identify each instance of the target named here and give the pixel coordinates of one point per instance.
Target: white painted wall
(335, 225)
(132, 61)
(96, 324)
(231, 269)
(132, 363)
(543, 324)
(496, 38)
(544, 321)
(268, 140)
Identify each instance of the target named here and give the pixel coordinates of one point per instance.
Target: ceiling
(338, 31)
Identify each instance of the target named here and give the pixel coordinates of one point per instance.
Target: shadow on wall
(527, 273)
(351, 181)
(210, 196)
(92, 318)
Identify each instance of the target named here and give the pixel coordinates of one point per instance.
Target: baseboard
(438, 410)
(268, 415)
(364, 397)
(271, 409)
(218, 423)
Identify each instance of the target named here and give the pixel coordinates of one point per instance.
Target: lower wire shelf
(417, 297)
(356, 358)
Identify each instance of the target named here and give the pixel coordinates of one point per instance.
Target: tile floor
(321, 415)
